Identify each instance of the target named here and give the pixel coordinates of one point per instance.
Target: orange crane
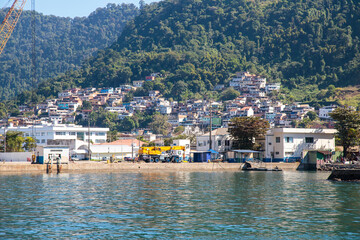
(9, 23)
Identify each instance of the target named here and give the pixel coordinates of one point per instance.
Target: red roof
(127, 142)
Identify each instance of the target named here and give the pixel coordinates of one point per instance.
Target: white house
(221, 141)
(288, 144)
(165, 109)
(119, 149)
(73, 136)
(324, 112)
(138, 84)
(116, 109)
(272, 87)
(246, 112)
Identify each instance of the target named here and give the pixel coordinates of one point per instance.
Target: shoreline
(86, 166)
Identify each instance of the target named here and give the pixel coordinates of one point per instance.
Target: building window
(100, 134)
(289, 154)
(60, 133)
(270, 143)
(72, 133)
(309, 140)
(42, 133)
(219, 142)
(277, 153)
(227, 142)
(289, 140)
(42, 140)
(277, 139)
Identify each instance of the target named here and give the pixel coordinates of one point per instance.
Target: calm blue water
(182, 205)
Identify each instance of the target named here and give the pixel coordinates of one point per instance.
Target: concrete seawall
(128, 166)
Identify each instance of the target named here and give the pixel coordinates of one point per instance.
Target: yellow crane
(163, 153)
(9, 23)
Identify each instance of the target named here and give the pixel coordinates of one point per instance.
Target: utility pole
(89, 154)
(210, 125)
(132, 149)
(5, 134)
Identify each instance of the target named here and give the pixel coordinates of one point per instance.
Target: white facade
(185, 143)
(290, 143)
(324, 112)
(52, 154)
(164, 109)
(49, 134)
(221, 141)
(116, 109)
(273, 87)
(118, 151)
(138, 84)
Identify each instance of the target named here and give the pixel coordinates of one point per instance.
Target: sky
(72, 8)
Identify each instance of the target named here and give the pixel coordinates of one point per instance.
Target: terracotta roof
(127, 142)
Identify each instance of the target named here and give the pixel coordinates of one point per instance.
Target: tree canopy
(306, 45)
(15, 142)
(246, 129)
(348, 127)
(62, 44)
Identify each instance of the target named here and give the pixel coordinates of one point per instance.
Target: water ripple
(183, 205)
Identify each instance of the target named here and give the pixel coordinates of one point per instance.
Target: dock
(89, 166)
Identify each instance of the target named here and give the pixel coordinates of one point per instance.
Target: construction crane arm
(9, 23)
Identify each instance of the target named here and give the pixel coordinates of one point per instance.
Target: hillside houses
(252, 85)
(193, 113)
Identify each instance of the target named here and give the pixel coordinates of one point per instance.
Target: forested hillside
(197, 44)
(62, 44)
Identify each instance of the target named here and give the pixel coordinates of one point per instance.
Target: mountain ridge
(61, 44)
(198, 44)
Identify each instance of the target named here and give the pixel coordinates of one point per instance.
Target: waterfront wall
(128, 166)
(15, 157)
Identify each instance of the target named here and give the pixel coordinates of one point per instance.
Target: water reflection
(157, 205)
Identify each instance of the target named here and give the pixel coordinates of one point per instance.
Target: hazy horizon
(69, 8)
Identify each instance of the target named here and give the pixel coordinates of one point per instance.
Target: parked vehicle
(163, 154)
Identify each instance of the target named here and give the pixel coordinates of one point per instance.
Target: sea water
(178, 205)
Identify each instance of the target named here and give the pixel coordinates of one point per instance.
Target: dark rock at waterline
(345, 175)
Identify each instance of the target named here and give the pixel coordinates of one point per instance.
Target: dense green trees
(16, 142)
(159, 124)
(62, 45)
(198, 44)
(348, 127)
(229, 94)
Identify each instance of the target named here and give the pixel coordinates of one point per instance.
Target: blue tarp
(213, 151)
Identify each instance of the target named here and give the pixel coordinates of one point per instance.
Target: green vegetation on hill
(197, 44)
(62, 44)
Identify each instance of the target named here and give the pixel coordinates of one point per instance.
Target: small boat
(247, 167)
(263, 169)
